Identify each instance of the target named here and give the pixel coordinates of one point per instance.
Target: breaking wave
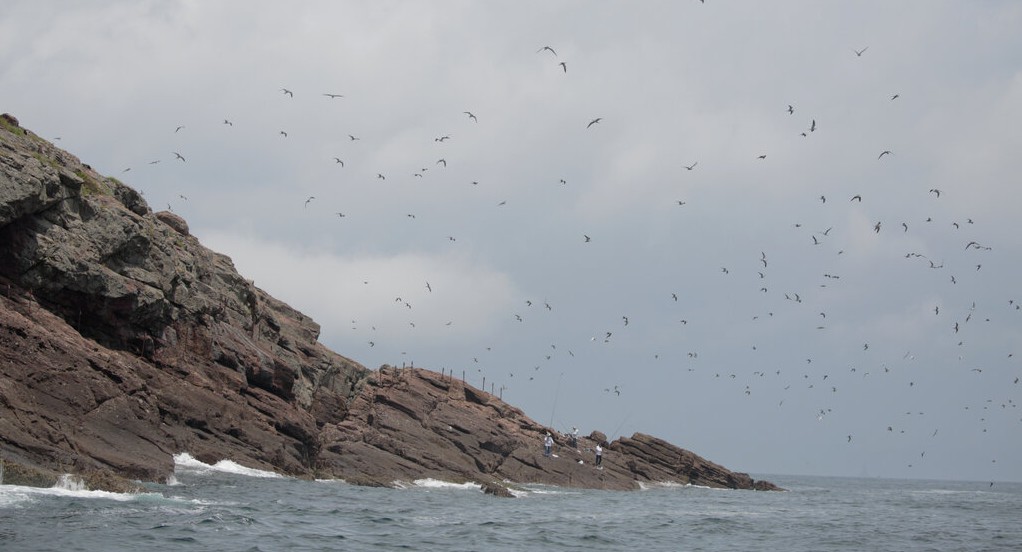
(186, 462)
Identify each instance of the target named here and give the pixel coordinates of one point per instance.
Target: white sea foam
(436, 484)
(67, 486)
(186, 462)
(674, 485)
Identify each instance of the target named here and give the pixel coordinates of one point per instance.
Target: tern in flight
(551, 50)
(594, 121)
(179, 156)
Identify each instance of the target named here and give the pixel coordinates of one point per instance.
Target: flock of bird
(807, 275)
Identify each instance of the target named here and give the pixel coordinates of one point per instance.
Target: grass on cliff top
(6, 125)
(90, 185)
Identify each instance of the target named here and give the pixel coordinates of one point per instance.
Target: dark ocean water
(227, 508)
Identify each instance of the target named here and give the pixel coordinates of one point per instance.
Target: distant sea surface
(229, 508)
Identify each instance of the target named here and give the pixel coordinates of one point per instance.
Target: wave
(430, 483)
(674, 485)
(186, 462)
(68, 486)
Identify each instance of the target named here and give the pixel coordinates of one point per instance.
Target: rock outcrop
(124, 341)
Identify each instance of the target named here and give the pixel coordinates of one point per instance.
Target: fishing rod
(557, 392)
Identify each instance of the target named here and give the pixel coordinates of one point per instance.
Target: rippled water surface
(228, 508)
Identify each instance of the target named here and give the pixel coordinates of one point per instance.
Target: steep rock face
(124, 341)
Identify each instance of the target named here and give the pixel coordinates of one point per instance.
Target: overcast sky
(789, 242)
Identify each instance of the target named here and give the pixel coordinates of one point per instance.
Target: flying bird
(594, 121)
(353, 138)
(287, 92)
(858, 53)
(564, 65)
(284, 134)
(228, 123)
(309, 199)
(588, 239)
(338, 160)
(791, 110)
(179, 156)
(178, 128)
(334, 96)
(692, 166)
(883, 153)
(471, 116)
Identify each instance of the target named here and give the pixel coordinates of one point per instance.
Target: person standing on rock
(599, 457)
(548, 445)
(574, 437)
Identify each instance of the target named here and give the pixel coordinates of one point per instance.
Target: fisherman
(599, 457)
(548, 445)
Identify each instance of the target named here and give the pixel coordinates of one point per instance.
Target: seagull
(876, 227)
(471, 116)
(179, 156)
(429, 287)
(178, 128)
(856, 197)
(564, 65)
(935, 191)
(284, 134)
(762, 156)
(309, 199)
(338, 160)
(334, 96)
(858, 53)
(895, 97)
(228, 123)
(883, 153)
(692, 166)
(594, 121)
(547, 48)
(287, 92)
(353, 138)
(444, 161)
(380, 176)
(588, 239)
(812, 126)
(791, 110)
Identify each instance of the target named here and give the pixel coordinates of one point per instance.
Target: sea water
(227, 507)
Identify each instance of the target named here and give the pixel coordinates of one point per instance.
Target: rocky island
(124, 341)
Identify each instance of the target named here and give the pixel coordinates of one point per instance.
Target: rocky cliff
(124, 341)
